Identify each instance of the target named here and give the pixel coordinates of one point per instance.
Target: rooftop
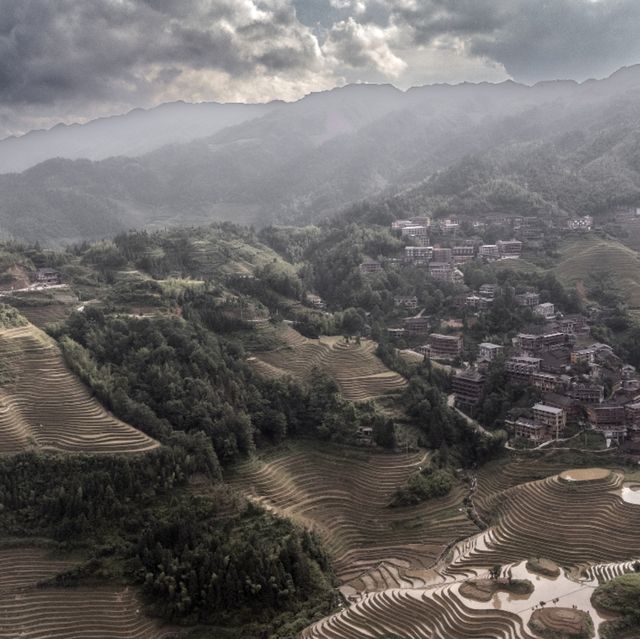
(547, 409)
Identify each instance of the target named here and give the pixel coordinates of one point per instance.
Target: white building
(546, 310)
(489, 351)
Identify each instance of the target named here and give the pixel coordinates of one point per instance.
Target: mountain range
(304, 161)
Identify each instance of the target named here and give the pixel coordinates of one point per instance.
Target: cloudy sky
(71, 60)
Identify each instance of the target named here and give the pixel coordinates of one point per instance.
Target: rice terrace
(354, 365)
(43, 405)
(32, 608)
(413, 582)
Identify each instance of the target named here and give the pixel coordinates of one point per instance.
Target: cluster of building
(424, 254)
(570, 380)
(442, 261)
(584, 223)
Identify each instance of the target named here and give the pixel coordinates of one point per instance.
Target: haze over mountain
(295, 162)
(130, 134)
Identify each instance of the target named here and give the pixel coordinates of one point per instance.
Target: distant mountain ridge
(304, 161)
(131, 134)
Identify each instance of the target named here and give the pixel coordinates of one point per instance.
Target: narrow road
(451, 403)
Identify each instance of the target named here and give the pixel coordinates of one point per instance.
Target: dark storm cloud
(74, 59)
(108, 48)
(533, 39)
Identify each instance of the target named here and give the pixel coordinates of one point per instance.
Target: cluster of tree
(500, 397)
(443, 429)
(72, 498)
(620, 596)
(424, 485)
(171, 374)
(10, 317)
(213, 558)
(199, 567)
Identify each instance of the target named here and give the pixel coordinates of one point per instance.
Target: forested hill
(571, 174)
(308, 160)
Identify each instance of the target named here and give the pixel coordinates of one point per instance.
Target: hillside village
(574, 381)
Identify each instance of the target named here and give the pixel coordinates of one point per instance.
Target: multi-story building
(571, 407)
(406, 302)
(554, 419)
(509, 248)
(584, 223)
(316, 301)
(370, 266)
(442, 271)
(526, 428)
(532, 343)
(416, 325)
(583, 355)
(418, 254)
(488, 351)
(475, 302)
(609, 418)
(529, 299)
(47, 276)
(468, 387)
(398, 225)
(449, 225)
(445, 346)
(415, 231)
(573, 325)
(489, 252)
(555, 361)
(546, 310)
(442, 254)
(546, 382)
(586, 393)
(488, 290)
(520, 369)
(462, 254)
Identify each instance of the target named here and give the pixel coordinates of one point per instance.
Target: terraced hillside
(570, 521)
(498, 476)
(42, 405)
(575, 517)
(30, 611)
(590, 257)
(440, 613)
(46, 314)
(355, 367)
(344, 496)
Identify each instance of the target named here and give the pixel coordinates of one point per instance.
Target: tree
(494, 572)
(384, 433)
